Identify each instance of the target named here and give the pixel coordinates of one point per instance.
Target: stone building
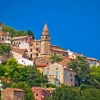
(43, 48)
(93, 61)
(5, 37)
(58, 73)
(12, 94)
(16, 41)
(41, 93)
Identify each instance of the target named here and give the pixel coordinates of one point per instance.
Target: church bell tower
(45, 41)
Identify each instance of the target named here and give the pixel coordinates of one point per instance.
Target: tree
(55, 58)
(95, 76)
(30, 33)
(13, 32)
(81, 67)
(4, 49)
(34, 77)
(90, 94)
(18, 73)
(12, 70)
(1, 70)
(65, 93)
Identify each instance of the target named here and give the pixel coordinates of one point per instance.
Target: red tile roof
(42, 65)
(15, 89)
(65, 61)
(4, 33)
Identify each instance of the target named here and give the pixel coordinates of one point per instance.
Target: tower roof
(45, 30)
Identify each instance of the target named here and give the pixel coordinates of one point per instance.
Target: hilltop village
(42, 54)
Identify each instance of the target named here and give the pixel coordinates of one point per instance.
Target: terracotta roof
(19, 37)
(20, 51)
(4, 33)
(42, 65)
(40, 88)
(57, 49)
(15, 89)
(65, 61)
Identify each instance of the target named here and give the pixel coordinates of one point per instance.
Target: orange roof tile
(65, 61)
(42, 65)
(4, 33)
(14, 89)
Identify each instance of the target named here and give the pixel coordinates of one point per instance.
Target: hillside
(15, 33)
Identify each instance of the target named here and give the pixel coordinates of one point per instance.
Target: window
(47, 68)
(63, 54)
(43, 37)
(57, 77)
(30, 50)
(56, 72)
(54, 82)
(36, 94)
(71, 80)
(36, 54)
(56, 68)
(37, 43)
(47, 72)
(37, 49)
(71, 74)
(47, 37)
(30, 55)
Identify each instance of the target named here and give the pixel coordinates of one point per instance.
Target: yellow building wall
(40, 69)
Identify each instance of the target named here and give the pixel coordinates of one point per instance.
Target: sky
(73, 24)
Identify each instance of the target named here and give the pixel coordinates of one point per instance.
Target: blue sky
(73, 24)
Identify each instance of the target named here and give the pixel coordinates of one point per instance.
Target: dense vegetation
(55, 58)
(4, 49)
(12, 74)
(15, 33)
(24, 77)
(85, 75)
(82, 70)
(72, 93)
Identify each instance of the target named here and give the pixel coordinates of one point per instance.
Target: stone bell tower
(45, 41)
